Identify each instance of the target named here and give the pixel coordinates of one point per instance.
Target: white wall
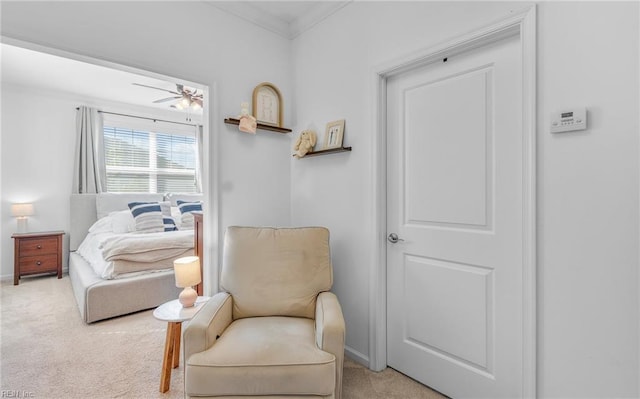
(588, 201)
(188, 40)
(38, 140)
(587, 184)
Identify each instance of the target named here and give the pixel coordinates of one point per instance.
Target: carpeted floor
(48, 352)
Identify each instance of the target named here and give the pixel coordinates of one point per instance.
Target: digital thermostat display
(568, 121)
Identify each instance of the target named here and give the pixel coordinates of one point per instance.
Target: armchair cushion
(276, 272)
(263, 356)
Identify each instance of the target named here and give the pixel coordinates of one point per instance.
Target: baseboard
(356, 356)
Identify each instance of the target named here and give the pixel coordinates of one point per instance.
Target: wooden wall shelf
(284, 130)
(326, 152)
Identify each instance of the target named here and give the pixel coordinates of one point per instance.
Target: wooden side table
(174, 314)
(36, 253)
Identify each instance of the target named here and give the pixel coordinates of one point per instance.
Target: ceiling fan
(183, 97)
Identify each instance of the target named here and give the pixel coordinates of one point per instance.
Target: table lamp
(21, 211)
(187, 271)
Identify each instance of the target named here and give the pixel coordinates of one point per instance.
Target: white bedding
(171, 244)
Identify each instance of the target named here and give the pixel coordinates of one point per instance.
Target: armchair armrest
(207, 325)
(330, 332)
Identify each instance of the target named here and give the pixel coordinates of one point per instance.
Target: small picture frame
(334, 134)
(267, 104)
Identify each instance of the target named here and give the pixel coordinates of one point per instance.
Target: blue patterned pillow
(185, 209)
(169, 223)
(148, 216)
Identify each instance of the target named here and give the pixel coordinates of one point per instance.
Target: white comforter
(110, 254)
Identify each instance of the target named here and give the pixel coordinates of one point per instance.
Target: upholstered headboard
(87, 208)
(83, 215)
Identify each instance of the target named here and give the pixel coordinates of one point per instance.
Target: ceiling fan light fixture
(183, 98)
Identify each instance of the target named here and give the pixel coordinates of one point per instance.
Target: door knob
(393, 238)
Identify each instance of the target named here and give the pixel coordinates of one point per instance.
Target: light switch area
(569, 120)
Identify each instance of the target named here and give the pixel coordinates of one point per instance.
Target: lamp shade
(187, 271)
(22, 210)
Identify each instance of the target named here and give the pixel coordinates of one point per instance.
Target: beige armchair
(276, 330)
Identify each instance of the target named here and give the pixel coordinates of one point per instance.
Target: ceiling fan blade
(157, 88)
(163, 100)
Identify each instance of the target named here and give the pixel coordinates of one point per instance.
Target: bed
(101, 297)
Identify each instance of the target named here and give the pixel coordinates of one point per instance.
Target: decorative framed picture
(267, 104)
(334, 134)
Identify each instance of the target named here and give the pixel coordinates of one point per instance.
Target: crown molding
(316, 15)
(253, 15)
(289, 30)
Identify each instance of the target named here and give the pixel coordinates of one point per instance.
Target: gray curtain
(89, 169)
(199, 155)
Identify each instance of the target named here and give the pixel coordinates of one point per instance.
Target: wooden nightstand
(37, 253)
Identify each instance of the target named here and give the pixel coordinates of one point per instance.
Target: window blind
(148, 161)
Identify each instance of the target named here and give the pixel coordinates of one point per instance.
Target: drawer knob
(38, 263)
(39, 246)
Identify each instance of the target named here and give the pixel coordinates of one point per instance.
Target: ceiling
(42, 71)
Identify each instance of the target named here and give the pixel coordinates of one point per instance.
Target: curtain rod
(144, 117)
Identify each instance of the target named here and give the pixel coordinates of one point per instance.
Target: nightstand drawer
(38, 264)
(38, 246)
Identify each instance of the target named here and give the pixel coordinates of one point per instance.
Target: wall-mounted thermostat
(569, 120)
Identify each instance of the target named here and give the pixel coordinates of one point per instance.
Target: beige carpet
(48, 352)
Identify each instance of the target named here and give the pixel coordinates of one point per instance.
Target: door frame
(522, 24)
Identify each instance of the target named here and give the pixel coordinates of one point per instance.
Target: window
(153, 160)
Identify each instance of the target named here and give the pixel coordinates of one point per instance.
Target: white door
(455, 202)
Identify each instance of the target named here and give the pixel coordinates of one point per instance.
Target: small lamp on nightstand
(187, 271)
(21, 211)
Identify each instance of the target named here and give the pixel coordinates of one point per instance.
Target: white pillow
(176, 215)
(103, 225)
(123, 222)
